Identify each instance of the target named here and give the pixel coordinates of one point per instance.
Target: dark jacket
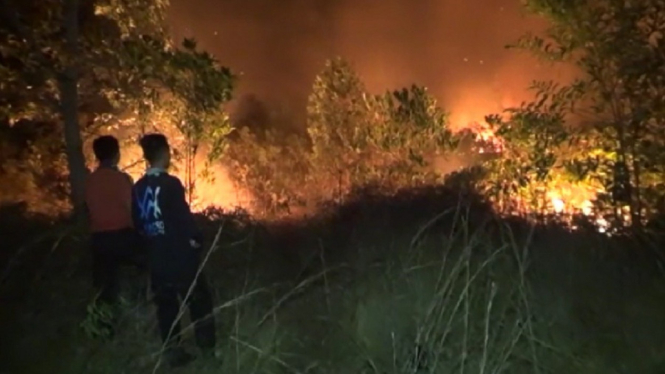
(162, 216)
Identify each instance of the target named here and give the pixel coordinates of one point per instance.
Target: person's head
(156, 150)
(107, 150)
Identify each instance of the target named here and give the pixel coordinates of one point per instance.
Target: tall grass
(380, 291)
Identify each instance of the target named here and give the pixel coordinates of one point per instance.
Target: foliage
(33, 46)
(274, 168)
(359, 138)
(392, 296)
(33, 168)
(354, 140)
(127, 71)
(613, 112)
(538, 148)
(98, 321)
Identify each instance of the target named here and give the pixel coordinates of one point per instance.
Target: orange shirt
(108, 195)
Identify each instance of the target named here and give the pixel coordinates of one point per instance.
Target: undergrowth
(418, 284)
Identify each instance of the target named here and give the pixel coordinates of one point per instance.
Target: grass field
(420, 283)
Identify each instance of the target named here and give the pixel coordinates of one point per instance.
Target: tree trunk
(636, 206)
(68, 86)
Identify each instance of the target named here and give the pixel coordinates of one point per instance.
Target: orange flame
(216, 189)
(564, 198)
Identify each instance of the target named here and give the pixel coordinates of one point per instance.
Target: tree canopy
(125, 66)
(606, 128)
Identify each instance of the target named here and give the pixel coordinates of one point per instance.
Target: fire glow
(564, 199)
(215, 190)
(218, 189)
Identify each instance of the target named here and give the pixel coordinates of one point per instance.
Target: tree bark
(68, 86)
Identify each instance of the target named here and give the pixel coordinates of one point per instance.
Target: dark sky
(454, 47)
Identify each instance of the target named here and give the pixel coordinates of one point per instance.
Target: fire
(576, 199)
(212, 184)
(216, 189)
(567, 200)
(570, 198)
(564, 199)
(558, 204)
(487, 139)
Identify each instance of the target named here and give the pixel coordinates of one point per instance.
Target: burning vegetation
(354, 140)
(543, 159)
(464, 288)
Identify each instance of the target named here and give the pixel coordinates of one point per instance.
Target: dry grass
(377, 293)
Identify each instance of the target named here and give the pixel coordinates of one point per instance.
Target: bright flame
(558, 205)
(564, 199)
(487, 139)
(218, 191)
(214, 190)
(571, 198)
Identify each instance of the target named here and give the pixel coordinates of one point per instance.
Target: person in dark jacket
(163, 216)
(108, 197)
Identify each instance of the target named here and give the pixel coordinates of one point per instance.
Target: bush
(422, 283)
(354, 140)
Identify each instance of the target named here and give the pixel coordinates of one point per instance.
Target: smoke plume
(455, 48)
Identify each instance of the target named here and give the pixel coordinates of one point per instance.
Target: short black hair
(106, 147)
(153, 146)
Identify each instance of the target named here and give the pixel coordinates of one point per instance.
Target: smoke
(455, 48)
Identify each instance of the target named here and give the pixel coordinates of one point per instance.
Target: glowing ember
(572, 198)
(559, 205)
(564, 199)
(487, 139)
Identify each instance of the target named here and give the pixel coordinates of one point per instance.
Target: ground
(424, 282)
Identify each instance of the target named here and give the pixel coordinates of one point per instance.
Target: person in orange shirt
(114, 241)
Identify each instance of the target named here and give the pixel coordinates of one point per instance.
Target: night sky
(454, 47)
